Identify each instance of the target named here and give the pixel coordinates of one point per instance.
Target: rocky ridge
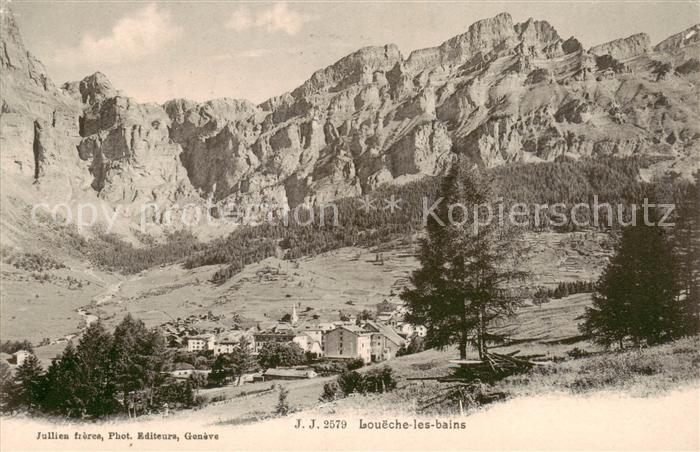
(501, 92)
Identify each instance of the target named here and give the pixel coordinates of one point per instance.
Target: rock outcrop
(39, 123)
(685, 38)
(500, 92)
(622, 49)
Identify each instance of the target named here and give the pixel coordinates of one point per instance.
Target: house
(182, 370)
(316, 348)
(281, 373)
(386, 318)
(347, 342)
(227, 342)
(20, 356)
(385, 342)
(314, 332)
(302, 340)
(201, 342)
(408, 329)
(266, 337)
(309, 344)
(385, 307)
(326, 327)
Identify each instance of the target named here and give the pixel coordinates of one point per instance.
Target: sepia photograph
(349, 225)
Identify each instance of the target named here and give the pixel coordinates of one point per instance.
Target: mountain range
(501, 93)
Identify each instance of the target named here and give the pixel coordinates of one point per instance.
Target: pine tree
(282, 408)
(242, 359)
(127, 350)
(687, 247)
(95, 382)
(6, 387)
(30, 383)
(459, 288)
(637, 295)
(62, 384)
(220, 370)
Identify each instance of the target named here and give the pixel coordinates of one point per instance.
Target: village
(327, 346)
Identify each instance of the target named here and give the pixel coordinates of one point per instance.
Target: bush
(577, 353)
(355, 363)
(331, 391)
(350, 382)
(379, 380)
(281, 355)
(176, 395)
(34, 262)
(11, 347)
(375, 381)
(330, 367)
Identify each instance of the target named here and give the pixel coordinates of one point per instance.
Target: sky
(155, 51)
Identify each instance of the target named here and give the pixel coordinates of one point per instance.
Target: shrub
(355, 363)
(379, 380)
(350, 382)
(577, 353)
(331, 391)
(375, 381)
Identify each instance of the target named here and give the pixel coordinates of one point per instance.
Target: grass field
(347, 280)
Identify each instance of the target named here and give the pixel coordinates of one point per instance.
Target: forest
(607, 180)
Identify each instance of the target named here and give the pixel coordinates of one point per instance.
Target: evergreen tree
(138, 355)
(637, 295)
(220, 370)
(30, 383)
(95, 380)
(459, 288)
(687, 250)
(62, 384)
(6, 387)
(242, 359)
(129, 364)
(282, 408)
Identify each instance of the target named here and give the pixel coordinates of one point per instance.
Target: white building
(21, 356)
(308, 344)
(227, 342)
(201, 342)
(409, 330)
(348, 342)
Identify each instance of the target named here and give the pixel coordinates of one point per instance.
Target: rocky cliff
(500, 92)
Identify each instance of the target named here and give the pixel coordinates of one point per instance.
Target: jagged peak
(93, 88)
(223, 108)
(624, 48)
(483, 35)
(9, 31)
(540, 28)
(351, 68)
(679, 40)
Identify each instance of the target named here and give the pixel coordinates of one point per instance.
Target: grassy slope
(325, 283)
(304, 394)
(645, 372)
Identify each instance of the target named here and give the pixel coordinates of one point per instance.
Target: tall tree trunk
(463, 345)
(463, 335)
(481, 329)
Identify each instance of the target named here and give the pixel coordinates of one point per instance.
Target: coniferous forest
(602, 180)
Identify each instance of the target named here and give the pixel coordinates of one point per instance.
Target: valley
(139, 313)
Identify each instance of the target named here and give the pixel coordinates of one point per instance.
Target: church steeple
(295, 317)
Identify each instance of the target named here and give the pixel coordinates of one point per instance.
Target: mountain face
(501, 92)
